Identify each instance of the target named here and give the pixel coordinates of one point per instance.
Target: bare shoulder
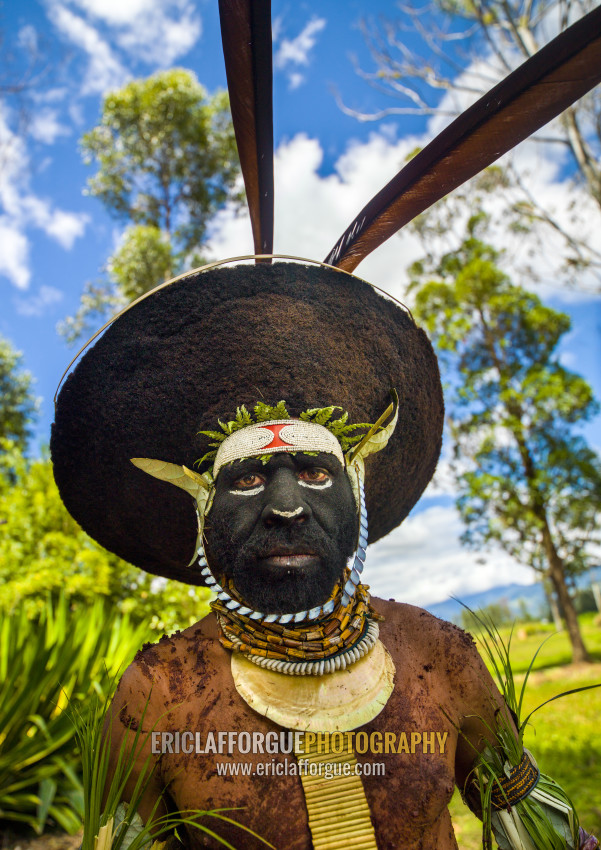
(159, 670)
(421, 644)
(423, 632)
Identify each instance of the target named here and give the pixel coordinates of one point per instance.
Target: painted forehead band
(282, 435)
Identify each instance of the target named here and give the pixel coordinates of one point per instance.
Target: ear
(180, 476)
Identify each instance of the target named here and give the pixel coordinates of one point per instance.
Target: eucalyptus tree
(18, 405)
(166, 163)
(525, 476)
(438, 57)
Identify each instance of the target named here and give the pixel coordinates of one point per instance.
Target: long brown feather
(536, 92)
(246, 38)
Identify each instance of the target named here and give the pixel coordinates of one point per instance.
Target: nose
(284, 504)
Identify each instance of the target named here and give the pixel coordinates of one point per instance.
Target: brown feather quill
(536, 92)
(246, 38)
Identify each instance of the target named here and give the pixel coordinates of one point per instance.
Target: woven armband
(522, 780)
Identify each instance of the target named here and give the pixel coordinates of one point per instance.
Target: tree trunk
(555, 569)
(556, 573)
(553, 606)
(596, 588)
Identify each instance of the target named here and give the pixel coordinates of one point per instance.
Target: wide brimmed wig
(194, 351)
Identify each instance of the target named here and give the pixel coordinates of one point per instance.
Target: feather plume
(532, 95)
(246, 38)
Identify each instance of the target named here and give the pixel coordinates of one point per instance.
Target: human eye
(248, 484)
(315, 476)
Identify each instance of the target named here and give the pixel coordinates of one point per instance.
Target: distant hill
(532, 594)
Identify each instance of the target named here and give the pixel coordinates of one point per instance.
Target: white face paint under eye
(318, 485)
(252, 492)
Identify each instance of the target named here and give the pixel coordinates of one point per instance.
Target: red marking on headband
(277, 440)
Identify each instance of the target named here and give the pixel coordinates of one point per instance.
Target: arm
(135, 712)
(483, 711)
(522, 807)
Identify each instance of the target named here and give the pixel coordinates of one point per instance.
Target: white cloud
(423, 562)
(155, 32)
(27, 38)
(155, 37)
(20, 210)
(114, 12)
(542, 167)
(52, 95)
(312, 211)
(568, 360)
(295, 79)
(38, 305)
(14, 254)
(63, 227)
(104, 71)
(295, 51)
(45, 126)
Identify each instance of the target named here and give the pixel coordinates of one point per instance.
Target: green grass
(564, 735)
(557, 651)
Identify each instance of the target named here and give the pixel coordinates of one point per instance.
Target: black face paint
(282, 531)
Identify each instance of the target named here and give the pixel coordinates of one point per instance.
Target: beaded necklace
(309, 648)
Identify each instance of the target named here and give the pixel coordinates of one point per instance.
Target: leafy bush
(61, 657)
(43, 552)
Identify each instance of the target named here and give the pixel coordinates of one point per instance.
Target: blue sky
(54, 238)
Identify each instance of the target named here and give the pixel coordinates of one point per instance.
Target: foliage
(498, 613)
(540, 820)
(166, 162)
(440, 56)
(526, 478)
(45, 663)
(17, 404)
(43, 552)
(513, 410)
(270, 413)
(109, 823)
(144, 255)
(564, 738)
(166, 154)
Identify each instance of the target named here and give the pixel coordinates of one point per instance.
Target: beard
(282, 589)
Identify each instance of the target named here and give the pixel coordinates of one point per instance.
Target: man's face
(283, 530)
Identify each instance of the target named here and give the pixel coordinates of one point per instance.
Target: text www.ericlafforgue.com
(327, 769)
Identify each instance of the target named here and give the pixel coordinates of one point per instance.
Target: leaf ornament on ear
(374, 441)
(247, 49)
(532, 95)
(200, 487)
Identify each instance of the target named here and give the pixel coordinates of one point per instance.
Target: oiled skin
(440, 684)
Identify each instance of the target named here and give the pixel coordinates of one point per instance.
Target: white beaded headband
(281, 435)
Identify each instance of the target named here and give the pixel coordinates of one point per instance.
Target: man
(281, 367)
(284, 374)
(282, 532)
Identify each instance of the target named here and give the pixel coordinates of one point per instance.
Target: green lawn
(564, 736)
